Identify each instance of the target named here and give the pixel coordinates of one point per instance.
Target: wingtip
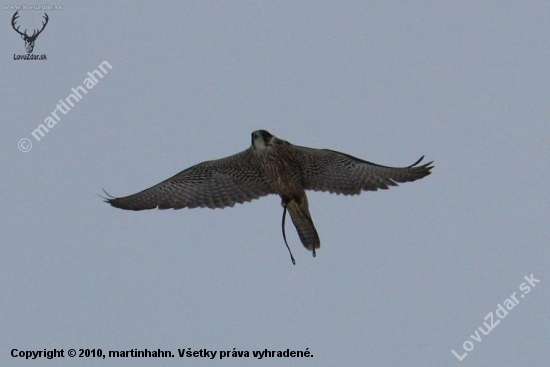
(428, 165)
(416, 163)
(107, 199)
(422, 170)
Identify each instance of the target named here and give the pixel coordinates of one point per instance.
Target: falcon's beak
(258, 140)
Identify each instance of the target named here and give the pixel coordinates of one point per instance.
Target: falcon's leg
(284, 235)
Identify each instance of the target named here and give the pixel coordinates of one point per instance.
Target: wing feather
(214, 184)
(336, 172)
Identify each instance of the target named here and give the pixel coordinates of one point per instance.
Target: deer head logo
(29, 40)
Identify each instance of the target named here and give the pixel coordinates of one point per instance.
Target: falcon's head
(262, 139)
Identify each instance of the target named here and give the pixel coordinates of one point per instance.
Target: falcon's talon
(272, 166)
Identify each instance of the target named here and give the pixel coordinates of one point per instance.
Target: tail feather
(299, 212)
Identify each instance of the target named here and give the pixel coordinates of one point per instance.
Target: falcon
(272, 166)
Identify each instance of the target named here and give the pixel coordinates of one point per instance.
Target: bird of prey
(271, 166)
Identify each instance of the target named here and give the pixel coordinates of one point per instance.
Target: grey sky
(403, 276)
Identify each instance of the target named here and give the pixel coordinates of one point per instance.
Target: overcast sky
(403, 276)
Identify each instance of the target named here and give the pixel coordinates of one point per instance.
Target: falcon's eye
(266, 135)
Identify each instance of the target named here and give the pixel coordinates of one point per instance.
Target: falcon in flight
(272, 166)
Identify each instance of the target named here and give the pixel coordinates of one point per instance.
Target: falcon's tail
(299, 212)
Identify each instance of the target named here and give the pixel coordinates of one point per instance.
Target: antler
(15, 16)
(43, 26)
(34, 34)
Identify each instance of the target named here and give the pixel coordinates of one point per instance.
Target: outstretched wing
(214, 184)
(335, 172)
